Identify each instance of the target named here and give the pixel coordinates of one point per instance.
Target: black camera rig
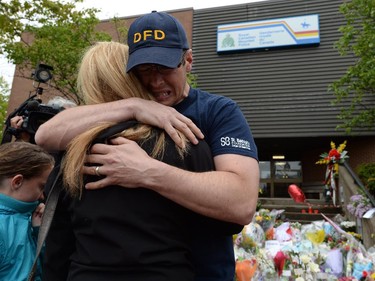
(33, 112)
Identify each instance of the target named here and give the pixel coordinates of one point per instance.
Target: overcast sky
(112, 8)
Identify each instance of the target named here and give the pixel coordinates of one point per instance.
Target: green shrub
(366, 173)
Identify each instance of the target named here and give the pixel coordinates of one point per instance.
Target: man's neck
(186, 91)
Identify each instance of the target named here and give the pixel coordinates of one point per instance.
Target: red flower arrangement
(332, 159)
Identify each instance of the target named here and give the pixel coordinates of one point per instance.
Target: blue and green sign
(265, 34)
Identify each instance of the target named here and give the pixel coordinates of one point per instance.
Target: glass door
(276, 176)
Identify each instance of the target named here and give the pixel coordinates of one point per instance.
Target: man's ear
(189, 53)
(189, 60)
(17, 181)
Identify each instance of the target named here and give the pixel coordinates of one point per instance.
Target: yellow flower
(333, 145)
(316, 237)
(322, 161)
(336, 168)
(258, 218)
(342, 147)
(355, 235)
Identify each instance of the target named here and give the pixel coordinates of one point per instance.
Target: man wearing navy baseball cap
(224, 199)
(157, 38)
(160, 56)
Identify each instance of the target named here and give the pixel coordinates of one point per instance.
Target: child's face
(32, 189)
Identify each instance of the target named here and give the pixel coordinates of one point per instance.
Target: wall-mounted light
(278, 157)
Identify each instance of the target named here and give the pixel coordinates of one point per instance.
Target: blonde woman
(119, 233)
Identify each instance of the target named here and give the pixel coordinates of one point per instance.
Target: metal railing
(358, 182)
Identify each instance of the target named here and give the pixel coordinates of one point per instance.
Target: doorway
(277, 175)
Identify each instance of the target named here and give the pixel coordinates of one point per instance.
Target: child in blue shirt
(24, 169)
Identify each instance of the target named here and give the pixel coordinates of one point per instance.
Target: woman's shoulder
(115, 129)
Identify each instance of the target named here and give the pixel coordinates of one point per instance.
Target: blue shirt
(223, 124)
(227, 132)
(17, 239)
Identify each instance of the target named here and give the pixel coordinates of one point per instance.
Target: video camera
(33, 112)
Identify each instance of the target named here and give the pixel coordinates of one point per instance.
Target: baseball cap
(156, 38)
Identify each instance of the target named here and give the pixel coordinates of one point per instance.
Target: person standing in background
(24, 169)
(16, 123)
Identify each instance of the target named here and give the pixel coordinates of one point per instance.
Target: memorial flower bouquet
(321, 250)
(332, 159)
(266, 219)
(304, 265)
(359, 205)
(335, 156)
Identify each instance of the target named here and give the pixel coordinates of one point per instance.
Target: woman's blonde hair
(102, 78)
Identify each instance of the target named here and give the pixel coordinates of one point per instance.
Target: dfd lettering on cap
(155, 34)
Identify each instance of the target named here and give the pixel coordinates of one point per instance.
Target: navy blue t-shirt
(227, 132)
(223, 124)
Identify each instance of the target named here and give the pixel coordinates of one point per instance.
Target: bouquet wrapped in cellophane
(275, 250)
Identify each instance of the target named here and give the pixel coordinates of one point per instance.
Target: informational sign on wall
(265, 34)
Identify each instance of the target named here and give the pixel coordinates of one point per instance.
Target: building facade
(283, 92)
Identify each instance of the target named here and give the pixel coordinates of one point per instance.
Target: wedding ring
(97, 171)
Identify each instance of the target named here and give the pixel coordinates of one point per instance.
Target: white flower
(305, 259)
(300, 279)
(265, 261)
(347, 224)
(298, 271)
(314, 267)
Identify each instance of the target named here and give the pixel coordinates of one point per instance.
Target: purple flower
(358, 205)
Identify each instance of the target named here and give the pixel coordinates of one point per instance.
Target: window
(276, 176)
